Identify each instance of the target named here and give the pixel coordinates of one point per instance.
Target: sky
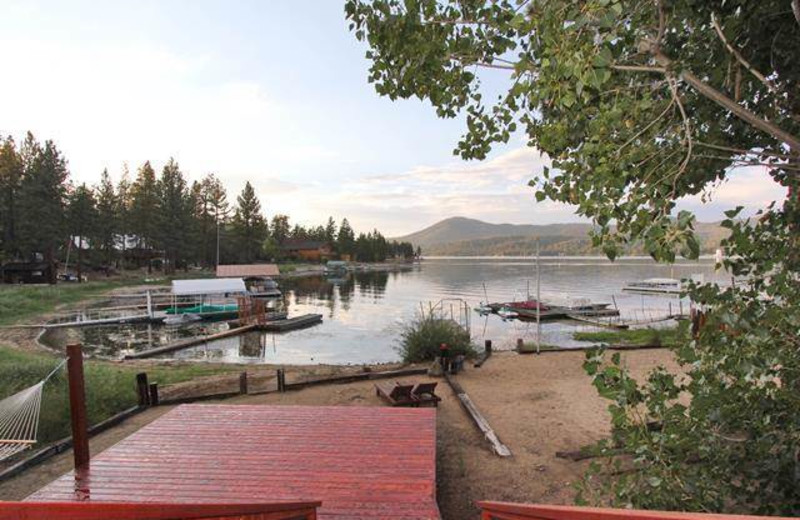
(271, 92)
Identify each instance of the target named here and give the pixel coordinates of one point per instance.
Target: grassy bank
(631, 337)
(22, 302)
(110, 387)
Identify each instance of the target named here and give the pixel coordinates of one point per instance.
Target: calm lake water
(364, 312)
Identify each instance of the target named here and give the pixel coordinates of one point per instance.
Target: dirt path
(537, 405)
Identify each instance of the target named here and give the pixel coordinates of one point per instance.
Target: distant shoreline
(550, 258)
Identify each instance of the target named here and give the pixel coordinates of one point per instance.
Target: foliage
(249, 225)
(422, 338)
(639, 104)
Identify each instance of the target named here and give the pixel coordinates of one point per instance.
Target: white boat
(507, 314)
(656, 286)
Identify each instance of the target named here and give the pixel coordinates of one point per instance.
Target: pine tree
(346, 241)
(211, 212)
(249, 226)
(10, 176)
(42, 196)
(330, 231)
(144, 204)
(174, 215)
(82, 221)
(108, 217)
(124, 205)
(280, 229)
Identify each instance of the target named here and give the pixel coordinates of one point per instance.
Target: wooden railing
(146, 511)
(508, 511)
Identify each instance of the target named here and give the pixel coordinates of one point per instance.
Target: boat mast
(538, 300)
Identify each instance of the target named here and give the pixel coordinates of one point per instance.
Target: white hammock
(19, 418)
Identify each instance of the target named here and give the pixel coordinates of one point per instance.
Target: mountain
(460, 236)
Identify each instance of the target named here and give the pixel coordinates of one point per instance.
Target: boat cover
(208, 286)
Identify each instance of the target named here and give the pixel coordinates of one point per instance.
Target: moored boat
(656, 286)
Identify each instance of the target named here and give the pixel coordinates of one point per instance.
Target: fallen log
(480, 421)
(189, 343)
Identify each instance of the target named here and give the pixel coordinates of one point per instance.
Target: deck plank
(361, 462)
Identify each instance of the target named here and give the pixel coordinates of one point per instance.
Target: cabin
(257, 277)
(28, 272)
(307, 250)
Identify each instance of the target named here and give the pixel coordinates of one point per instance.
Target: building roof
(304, 244)
(247, 270)
(208, 286)
(365, 462)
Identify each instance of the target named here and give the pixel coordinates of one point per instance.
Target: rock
(436, 369)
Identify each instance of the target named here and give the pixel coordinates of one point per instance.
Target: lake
(364, 312)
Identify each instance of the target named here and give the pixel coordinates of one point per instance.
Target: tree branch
(727, 103)
(736, 54)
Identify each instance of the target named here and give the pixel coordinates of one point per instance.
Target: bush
(421, 339)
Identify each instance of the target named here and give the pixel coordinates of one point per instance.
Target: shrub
(422, 337)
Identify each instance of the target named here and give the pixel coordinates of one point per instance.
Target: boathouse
(28, 272)
(257, 277)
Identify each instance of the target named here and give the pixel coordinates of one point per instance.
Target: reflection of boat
(655, 285)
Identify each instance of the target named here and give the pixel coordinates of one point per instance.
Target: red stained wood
(101, 511)
(360, 462)
(77, 406)
(509, 511)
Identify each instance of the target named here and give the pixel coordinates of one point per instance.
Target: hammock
(19, 418)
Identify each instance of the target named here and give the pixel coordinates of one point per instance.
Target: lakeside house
(308, 250)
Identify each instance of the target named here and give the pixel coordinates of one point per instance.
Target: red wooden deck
(360, 462)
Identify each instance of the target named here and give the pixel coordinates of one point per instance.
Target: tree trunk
(49, 257)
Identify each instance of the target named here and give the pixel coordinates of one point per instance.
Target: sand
(537, 405)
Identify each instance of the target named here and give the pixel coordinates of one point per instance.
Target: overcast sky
(271, 92)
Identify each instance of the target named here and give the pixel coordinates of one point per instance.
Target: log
(179, 345)
(480, 421)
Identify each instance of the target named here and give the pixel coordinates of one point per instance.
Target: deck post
(281, 380)
(142, 389)
(243, 383)
(153, 394)
(77, 406)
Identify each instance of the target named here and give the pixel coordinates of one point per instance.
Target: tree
(108, 217)
(211, 213)
(42, 197)
(82, 222)
(143, 219)
(639, 104)
(280, 229)
(11, 169)
(174, 215)
(249, 225)
(346, 240)
(330, 231)
(124, 205)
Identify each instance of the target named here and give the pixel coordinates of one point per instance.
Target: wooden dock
(298, 322)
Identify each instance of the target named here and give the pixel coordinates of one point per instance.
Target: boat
(655, 286)
(264, 288)
(181, 319)
(507, 313)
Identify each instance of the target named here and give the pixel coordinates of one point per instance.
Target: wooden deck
(360, 462)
